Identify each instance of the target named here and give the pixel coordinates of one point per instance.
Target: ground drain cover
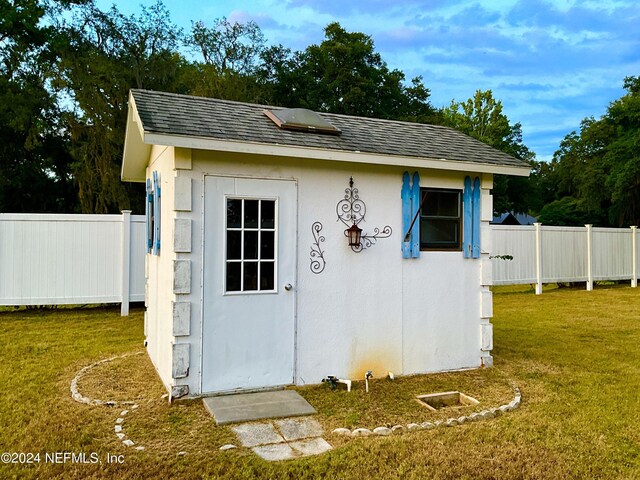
(436, 401)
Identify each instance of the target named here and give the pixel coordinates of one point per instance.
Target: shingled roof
(168, 114)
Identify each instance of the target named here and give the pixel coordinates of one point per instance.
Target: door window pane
(233, 276)
(251, 240)
(266, 275)
(234, 245)
(250, 213)
(250, 276)
(267, 245)
(250, 245)
(268, 216)
(234, 213)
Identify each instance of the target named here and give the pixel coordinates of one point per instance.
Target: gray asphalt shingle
(173, 114)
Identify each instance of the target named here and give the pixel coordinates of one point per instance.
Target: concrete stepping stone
(311, 446)
(284, 439)
(297, 428)
(249, 407)
(276, 452)
(254, 434)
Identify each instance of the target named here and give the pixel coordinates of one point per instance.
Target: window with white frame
(251, 245)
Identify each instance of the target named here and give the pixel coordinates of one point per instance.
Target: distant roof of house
(207, 123)
(512, 218)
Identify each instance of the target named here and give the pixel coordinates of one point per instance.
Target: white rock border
(449, 422)
(78, 397)
(119, 430)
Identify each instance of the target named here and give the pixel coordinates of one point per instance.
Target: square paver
(247, 407)
(311, 446)
(297, 428)
(275, 452)
(252, 434)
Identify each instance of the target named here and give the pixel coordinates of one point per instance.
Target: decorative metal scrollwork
(367, 240)
(317, 254)
(351, 210)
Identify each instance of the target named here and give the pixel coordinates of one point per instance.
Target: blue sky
(552, 63)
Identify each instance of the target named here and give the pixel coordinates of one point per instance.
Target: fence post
(538, 233)
(634, 259)
(126, 262)
(589, 257)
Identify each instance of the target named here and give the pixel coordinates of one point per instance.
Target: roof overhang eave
(255, 148)
(136, 149)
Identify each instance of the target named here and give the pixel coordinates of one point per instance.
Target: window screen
(440, 219)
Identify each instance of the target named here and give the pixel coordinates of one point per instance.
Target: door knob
(288, 287)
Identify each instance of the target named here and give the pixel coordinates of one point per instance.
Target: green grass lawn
(574, 354)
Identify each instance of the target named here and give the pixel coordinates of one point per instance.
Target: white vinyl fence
(78, 259)
(544, 254)
(72, 259)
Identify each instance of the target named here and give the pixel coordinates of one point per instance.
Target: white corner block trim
(487, 303)
(182, 194)
(181, 277)
(486, 271)
(182, 235)
(181, 319)
(486, 330)
(180, 360)
(486, 206)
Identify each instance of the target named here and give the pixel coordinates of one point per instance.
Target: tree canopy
(595, 173)
(481, 117)
(34, 165)
(66, 68)
(342, 75)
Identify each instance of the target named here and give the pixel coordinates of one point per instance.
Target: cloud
(263, 20)
(342, 8)
(552, 63)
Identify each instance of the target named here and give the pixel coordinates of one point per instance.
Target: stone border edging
(78, 397)
(449, 422)
(127, 442)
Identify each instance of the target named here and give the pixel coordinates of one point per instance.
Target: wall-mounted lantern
(354, 233)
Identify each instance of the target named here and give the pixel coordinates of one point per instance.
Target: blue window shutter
(475, 240)
(467, 218)
(415, 206)
(156, 215)
(406, 215)
(148, 212)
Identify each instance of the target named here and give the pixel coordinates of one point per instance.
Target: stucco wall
(158, 321)
(371, 310)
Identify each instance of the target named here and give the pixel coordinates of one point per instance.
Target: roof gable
(199, 122)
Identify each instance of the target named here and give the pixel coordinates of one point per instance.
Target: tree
(600, 165)
(564, 212)
(622, 155)
(482, 118)
(229, 47)
(344, 74)
(103, 55)
(34, 161)
(231, 54)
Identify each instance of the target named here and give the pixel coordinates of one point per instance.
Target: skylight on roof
(301, 119)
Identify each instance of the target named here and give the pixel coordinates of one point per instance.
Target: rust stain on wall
(379, 362)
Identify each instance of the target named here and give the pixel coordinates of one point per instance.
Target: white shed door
(249, 283)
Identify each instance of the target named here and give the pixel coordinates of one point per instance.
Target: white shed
(250, 279)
